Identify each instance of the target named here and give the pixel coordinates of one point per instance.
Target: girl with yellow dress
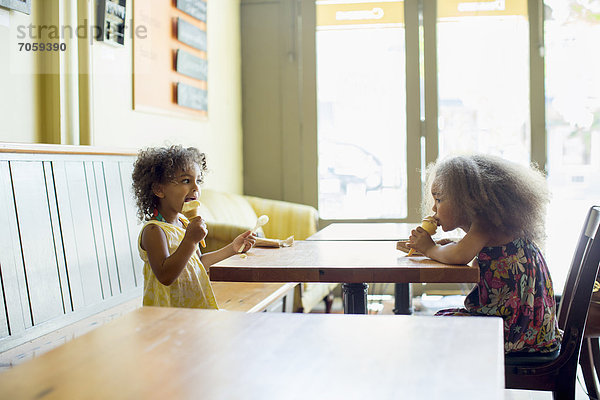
(175, 271)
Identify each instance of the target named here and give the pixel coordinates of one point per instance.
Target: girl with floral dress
(501, 207)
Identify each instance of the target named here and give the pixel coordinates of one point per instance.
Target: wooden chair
(589, 357)
(590, 364)
(557, 372)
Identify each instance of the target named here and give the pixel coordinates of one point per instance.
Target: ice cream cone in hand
(191, 210)
(430, 225)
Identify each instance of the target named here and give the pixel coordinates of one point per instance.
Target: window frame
(422, 130)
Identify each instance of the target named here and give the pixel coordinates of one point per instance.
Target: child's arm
(460, 252)
(168, 267)
(246, 239)
(402, 244)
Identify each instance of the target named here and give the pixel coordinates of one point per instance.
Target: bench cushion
(227, 215)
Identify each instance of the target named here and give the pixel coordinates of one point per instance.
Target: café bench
(68, 248)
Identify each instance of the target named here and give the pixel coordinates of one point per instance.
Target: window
(471, 94)
(361, 103)
(483, 78)
(572, 34)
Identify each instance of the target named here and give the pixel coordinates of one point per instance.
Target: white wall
(219, 136)
(17, 83)
(113, 121)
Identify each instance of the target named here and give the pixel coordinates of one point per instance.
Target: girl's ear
(157, 189)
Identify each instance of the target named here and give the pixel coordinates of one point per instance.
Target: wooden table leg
(355, 298)
(402, 299)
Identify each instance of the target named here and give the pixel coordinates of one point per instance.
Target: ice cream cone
(430, 225)
(191, 210)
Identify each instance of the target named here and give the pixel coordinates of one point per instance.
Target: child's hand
(420, 240)
(196, 230)
(246, 239)
(403, 245)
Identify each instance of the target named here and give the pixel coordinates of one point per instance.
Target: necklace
(160, 218)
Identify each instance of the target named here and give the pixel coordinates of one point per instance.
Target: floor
(428, 305)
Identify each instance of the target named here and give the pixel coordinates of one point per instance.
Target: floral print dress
(515, 284)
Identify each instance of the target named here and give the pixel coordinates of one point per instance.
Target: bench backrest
(68, 234)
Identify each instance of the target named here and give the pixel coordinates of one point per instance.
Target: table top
(157, 353)
(374, 231)
(338, 261)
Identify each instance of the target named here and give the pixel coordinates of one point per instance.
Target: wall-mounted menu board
(170, 64)
(195, 8)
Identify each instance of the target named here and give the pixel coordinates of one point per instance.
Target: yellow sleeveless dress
(191, 289)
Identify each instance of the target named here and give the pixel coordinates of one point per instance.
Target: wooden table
(168, 353)
(380, 231)
(350, 262)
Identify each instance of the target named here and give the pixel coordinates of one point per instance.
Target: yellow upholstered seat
(229, 214)
(285, 218)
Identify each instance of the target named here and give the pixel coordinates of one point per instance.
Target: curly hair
(510, 197)
(159, 165)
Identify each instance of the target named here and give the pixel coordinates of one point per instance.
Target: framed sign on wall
(170, 63)
(111, 20)
(19, 5)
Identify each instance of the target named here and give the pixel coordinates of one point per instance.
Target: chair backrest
(558, 373)
(573, 309)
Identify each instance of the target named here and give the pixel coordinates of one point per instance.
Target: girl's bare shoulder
(151, 234)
